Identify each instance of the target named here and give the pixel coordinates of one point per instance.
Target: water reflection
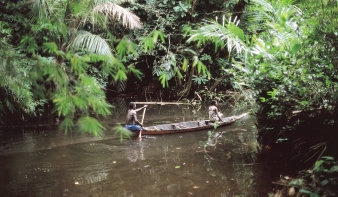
(216, 163)
(135, 152)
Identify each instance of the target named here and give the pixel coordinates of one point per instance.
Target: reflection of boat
(189, 126)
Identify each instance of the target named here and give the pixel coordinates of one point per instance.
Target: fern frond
(134, 71)
(67, 124)
(122, 132)
(126, 47)
(90, 125)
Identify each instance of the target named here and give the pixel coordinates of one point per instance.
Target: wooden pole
(144, 112)
(163, 103)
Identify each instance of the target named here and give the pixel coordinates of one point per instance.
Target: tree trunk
(217, 82)
(185, 92)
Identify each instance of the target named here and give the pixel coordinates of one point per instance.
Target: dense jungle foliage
(278, 57)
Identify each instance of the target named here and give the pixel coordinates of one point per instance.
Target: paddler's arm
(220, 119)
(145, 106)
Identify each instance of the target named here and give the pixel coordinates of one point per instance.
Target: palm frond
(228, 34)
(114, 12)
(39, 9)
(261, 12)
(258, 13)
(90, 42)
(261, 48)
(265, 6)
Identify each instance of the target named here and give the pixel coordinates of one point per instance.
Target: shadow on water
(222, 162)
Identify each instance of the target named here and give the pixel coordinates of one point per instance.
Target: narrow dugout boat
(182, 127)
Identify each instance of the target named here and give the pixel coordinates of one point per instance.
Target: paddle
(144, 112)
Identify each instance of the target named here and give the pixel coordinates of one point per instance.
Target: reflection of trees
(158, 173)
(136, 152)
(235, 151)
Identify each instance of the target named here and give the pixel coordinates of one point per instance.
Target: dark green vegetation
(279, 55)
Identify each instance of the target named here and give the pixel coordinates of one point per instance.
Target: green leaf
(318, 165)
(305, 191)
(29, 43)
(147, 44)
(324, 182)
(195, 61)
(186, 30)
(90, 42)
(236, 31)
(50, 47)
(334, 168)
(164, 80)
(126, 47)
(122, 132)
(67, 124)
(120, 75)
(185, 65)
(135, 71)
(296, 47)
(329, 158)
(179, 74)
(90, 125)
(157, 34)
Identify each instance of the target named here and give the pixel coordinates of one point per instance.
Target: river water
(221, 162)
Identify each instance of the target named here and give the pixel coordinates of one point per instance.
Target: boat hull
(182, 127)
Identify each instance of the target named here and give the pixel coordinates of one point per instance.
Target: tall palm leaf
(261, 12)
(114, 12)
(221, 35)
(90, 42)
(40, 10)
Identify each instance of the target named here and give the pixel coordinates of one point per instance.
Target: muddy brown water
(221, 162)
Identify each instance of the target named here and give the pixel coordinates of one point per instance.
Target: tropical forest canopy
(277, 57)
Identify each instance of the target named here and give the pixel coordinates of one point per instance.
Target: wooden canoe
(182, 127)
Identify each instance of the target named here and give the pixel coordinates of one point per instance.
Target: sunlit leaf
(157, 34)
(90, 42)
(50, 47)
(185, 65)
(126, 47)
(296, 48)
(120, 75)
(114, 12)
(122, 132)
(164, 80)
